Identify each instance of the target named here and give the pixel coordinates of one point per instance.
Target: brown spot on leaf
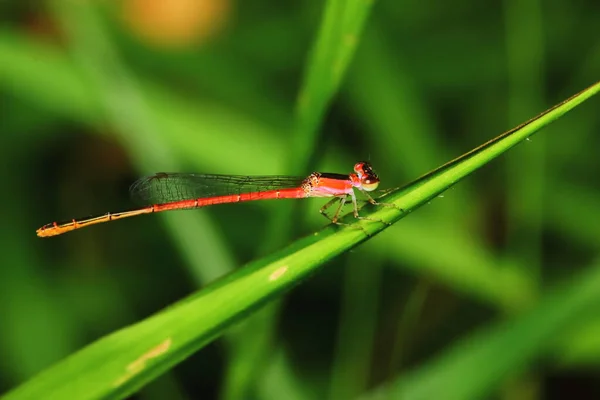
(278, 273)
(140, 363)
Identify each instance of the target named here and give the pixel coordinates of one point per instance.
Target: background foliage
(93, 98)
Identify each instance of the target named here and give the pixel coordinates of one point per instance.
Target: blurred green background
(92, 97)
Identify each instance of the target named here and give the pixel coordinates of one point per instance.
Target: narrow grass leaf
(477, 364)
(119, 364)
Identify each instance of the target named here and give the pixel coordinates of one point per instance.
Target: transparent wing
(167, 187)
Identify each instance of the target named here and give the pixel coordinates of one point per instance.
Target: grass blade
(493, 354)
(432, 184)
(122, 362)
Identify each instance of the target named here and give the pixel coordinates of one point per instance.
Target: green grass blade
(122, 362)
(333, 49)
(472, 368)
(125, 106)
(527, 187)
(199, 133)
(339, 32)
(356, 328)
(581, 346)
(474, 271)
(432, 184)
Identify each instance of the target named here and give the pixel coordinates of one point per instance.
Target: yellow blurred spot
(139, 364)
(175, 23)
(278, 273)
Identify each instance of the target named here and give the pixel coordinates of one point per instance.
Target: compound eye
(363, 168)
(359, 168)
